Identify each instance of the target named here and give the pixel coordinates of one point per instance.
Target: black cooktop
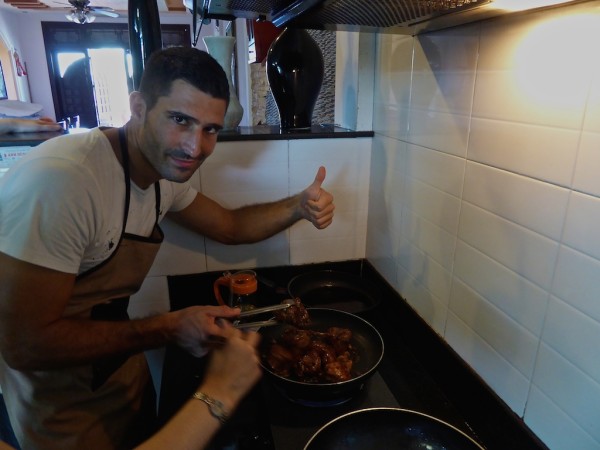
(418, 372)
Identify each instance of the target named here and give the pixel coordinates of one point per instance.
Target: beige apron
(107, 405)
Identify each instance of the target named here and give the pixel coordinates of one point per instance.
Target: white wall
(484, 206)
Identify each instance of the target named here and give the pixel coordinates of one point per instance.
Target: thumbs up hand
(316, 203)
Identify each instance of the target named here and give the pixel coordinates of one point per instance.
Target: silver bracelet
(215, 407)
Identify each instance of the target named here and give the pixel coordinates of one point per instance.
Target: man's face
(180, 131)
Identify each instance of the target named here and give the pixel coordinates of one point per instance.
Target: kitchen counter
(418, 372)
(27, 139)
(258, 133)
(270, 133)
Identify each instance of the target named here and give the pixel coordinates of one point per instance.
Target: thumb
(314, 190)
(319, 178)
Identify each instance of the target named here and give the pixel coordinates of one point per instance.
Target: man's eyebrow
(173, 113)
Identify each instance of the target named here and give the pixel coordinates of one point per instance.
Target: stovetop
(418, 372)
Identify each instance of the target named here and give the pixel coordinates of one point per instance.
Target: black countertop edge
(421, 370)
(27, 139)
(258, 133)
(274, 133)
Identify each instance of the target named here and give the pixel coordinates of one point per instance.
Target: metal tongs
(261, 323)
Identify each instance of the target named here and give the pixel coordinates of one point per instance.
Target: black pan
(334, 290)
(389, 429)
(366, 340)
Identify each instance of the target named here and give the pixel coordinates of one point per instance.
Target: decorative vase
(221, 48)
(295, 70)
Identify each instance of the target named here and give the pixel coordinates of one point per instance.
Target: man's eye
(181, 120)
(212, 130)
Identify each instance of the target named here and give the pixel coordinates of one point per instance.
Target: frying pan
(389, 429)
(366, 340)
(334, 290)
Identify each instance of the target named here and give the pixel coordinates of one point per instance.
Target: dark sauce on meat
(313, 356)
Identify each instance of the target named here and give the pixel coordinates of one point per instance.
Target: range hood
(383, 16)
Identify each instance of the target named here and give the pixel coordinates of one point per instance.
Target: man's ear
(137, 105)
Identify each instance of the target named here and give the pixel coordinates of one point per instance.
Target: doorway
(90, 69)
(93, 86)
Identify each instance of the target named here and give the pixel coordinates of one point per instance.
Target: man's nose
(192, 146)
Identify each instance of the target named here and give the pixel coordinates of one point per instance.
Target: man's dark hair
(191, 65)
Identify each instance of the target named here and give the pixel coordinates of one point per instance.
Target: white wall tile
(536, 205)
(429, 238)
(576, 281)
(323, 250)
(182, 252)
(274, 251)
(446, 132)
(586, 177)
(573, 334)
(581, 227)
(420, 266)
(152, 299)
(520, 299)
(571, 389)
(553, 426)
(517, 345)
(527, 253)
(392, 85)
(440, 170)
(434, 205)
(423, 301)
(592, 111)
(444, 70)
(540, 152)
(503, 378)
(525, 71)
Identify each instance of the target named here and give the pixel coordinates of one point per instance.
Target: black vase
(295, 71)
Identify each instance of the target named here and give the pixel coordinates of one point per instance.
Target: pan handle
(271, 284)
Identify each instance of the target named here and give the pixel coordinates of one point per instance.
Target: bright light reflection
(522, 5)
(554, 62)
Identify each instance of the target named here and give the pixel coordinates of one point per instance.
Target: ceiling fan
(82, 12)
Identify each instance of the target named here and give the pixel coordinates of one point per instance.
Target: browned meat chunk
(296, 315)
(312, 356)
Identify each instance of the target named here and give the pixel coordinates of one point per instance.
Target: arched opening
(8, 87)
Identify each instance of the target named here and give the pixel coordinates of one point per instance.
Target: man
(79, 231)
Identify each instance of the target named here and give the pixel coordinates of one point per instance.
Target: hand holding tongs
(263, 323)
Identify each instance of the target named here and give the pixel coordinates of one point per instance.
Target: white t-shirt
(62, 205)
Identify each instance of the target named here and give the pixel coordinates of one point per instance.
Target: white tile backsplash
(554, 426)
(576, 281)
(586, 177)
(495, 180)
(521, 250)
(519, 298)
(581, 228)
(503, 377)
(540, 152)
(570, 388)
(533, 204)
(571, 333)
(510, 339)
